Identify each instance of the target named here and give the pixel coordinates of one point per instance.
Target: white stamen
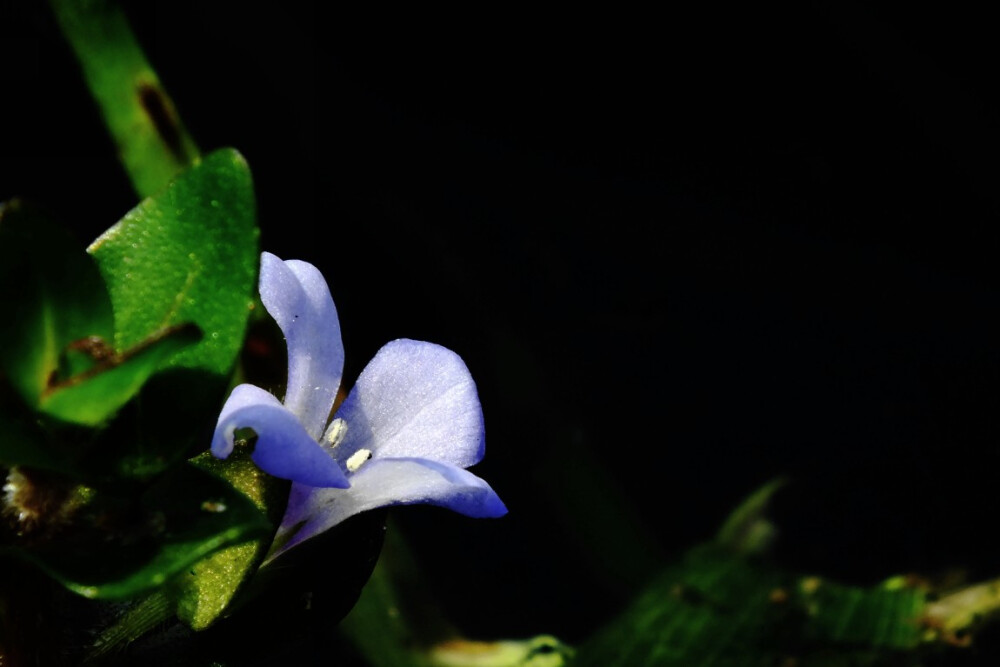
(357, 458)
(336, 432)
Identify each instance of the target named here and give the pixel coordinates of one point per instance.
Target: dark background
(681, 254)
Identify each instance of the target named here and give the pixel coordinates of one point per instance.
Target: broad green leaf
(91, 396)
(152, 142)
(119, 551)
(188, 254)
(53, 297)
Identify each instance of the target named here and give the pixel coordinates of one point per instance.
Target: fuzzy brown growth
(36, 504)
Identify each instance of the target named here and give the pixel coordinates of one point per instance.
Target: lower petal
(384, 482)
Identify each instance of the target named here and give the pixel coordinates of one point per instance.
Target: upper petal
(283, 448)
(384, 482)
(297, 297)
(414, 399)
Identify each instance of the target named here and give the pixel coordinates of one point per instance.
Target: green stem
(153, 144)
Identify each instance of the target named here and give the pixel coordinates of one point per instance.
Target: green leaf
(23, 441)
(91, 396)
(57, 297)
(188, 254)
(208, 589)
(118, 550)
(203, 593)
(152, 142)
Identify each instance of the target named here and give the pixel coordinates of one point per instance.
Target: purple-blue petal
(283, 447)
(414, 400)
(297, 297)
(242, 396)
(384, 482)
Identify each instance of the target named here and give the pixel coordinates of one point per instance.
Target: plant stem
(152, 143)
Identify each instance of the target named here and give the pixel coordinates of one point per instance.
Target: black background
(681, 254)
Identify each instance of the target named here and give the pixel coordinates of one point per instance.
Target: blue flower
(405, 433)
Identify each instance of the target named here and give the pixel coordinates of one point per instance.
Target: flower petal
(243, 396)
(283, 447)
(379, 483)
(297, 297)
(414, 399)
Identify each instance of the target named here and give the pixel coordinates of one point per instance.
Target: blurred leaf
(152, 142)
(119, 550)
(720, 608)
(725, 605)
(93, 395)
(953, 616)
(540, 651)
(53, 296)
(188, 254)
